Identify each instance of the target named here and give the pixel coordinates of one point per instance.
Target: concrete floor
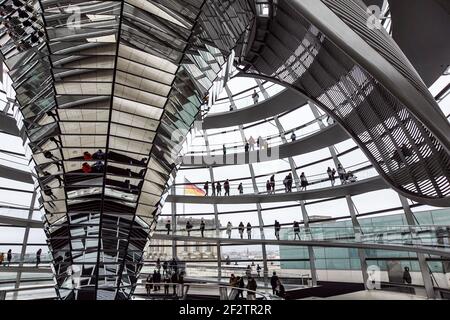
(372, 295)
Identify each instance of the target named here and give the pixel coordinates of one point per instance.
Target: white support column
(24, 244)
(255, 189)
(305, 217)
(424, 269)
(358, 234)
(350, 204)
(174, 222)
(216, 211)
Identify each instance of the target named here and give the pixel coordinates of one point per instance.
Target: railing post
(174, 222)
(424, 269)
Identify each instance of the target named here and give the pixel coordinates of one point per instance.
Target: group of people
(190, 226)
(98, 166)
(170, 275)
(9, 257)
(277, 287)
(344, 176)
(260, 142)
(238, 284)
(277, 226)
(154, 281)
(296, 227)
(241, 229)
(216, 188)
(287, 182)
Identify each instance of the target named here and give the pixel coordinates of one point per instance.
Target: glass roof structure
(129, 120)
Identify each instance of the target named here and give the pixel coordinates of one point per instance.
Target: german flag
(191, 189)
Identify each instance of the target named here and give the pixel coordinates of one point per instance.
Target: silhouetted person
(331, 174)
(247, 147)
(226, 187)
(293, 136)
(213, 189)
(49, 192)
(202, 227)
(268, 187)
(49, 155)
(280, 291)
(255, 97)
(272, 183)
(87, 156)
(303, 182)
(248, 271)
(174, 280)
(158, 264)
(258, 270)
(240, 188)
(277, 227)
(38, 257)
(229, 229)
(206, 187)
(189, 227)
(351, 177)
(9, 256)
(341, 173)
(174, 265)
(289, 182)
(233, 280)
(98, 166)
(157, 280)
(251, 142)
(168, 227)
(252, 286)
(406, 276)
(241, 228)
(274, 282)
(296, 230)
(241, 285)
(165, 265)
(86, 168)
(219, 188)
(249, 230)
(166, 284)
(98, 155)
(149, 284)
(224, 150)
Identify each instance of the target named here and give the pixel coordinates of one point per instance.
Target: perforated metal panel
(404, 150)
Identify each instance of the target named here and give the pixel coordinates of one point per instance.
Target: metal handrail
(265, 296)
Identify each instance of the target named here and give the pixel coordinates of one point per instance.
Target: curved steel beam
(333, 134)
(362, 79)
(364, 186)
(285, 100)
